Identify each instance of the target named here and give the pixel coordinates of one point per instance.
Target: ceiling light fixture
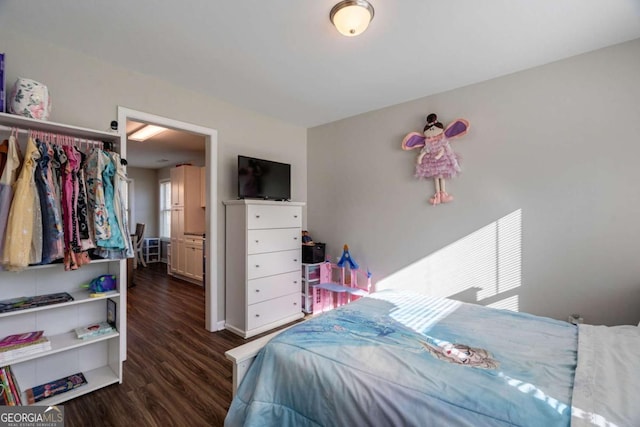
(351, 17)
(146, 132)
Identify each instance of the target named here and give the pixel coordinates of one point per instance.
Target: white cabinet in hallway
(187, 223)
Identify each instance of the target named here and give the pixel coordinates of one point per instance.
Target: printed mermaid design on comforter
(399, 359)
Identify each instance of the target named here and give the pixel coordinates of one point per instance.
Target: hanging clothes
(8, 179)
(74, 256)
(53, 186)
(51, 217)
(84, 224)
(114, 178)
(115, 242)
(4, 149)
(120, 181)
(98, 215)
(23, 243)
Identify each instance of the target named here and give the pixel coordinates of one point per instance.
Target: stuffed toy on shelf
(436, 158)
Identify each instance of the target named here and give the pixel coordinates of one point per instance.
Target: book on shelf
(11, 395)
(7, 354)
(23, 338)
(52, 388)
(13, 385)
(23, 303)
(94, 330)
(112, 314)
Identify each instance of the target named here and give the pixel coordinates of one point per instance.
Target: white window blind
(165, 209)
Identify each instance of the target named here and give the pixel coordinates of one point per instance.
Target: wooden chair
(139, 240)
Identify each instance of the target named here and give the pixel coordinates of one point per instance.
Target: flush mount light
(146, 132)
(351, 17)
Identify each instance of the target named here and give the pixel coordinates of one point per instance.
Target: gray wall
(552, 151)
(146, 203)
(86, 92)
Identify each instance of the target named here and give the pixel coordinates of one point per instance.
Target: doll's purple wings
(413, 140)
(456, 128)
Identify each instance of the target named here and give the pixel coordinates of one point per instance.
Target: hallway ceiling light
(351, 17)
(146, 132)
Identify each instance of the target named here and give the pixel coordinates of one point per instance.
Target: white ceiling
(283, 57)
(168, 148)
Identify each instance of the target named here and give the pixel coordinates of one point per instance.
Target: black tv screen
(263, 179)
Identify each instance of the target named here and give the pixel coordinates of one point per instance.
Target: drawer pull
(257, 241)
(295, 282)
(257, 315)
(295, 216)
(295, 303)
(295, 238)
(295, 260)
(257, 290)
(257, 266)
(257, 216)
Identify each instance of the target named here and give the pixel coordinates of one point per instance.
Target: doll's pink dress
(445, 167)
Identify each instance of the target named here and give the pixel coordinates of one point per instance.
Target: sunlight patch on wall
(477, 268)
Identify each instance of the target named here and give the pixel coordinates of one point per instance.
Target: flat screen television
(263, 179)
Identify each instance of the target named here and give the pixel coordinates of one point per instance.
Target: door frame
(211, 285)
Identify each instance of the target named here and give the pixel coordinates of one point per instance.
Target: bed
(401, 359)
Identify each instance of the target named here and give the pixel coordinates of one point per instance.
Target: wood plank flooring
(175, 374)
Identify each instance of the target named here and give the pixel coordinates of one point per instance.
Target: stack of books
(20, 345)
(11, 395)
(94, 330)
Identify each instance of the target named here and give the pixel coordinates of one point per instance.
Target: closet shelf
(80, 297)
(62, 342)
(59, 264)
(12, 120)
(96, 379)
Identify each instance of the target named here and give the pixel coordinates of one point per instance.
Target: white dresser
(263, 260)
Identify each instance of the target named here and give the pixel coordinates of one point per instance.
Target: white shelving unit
(310, 277)
(100, 359)
(151, 249)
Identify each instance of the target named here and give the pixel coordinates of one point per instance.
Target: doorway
(211, 219)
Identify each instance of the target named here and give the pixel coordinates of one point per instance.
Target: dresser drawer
(270, 216)
(271, 287)
(272, 240)
(272, 310)
(272, 263)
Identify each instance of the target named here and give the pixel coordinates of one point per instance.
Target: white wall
(86, 92)
(558, 144)
(145, 199)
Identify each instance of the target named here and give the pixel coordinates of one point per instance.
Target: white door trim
(211, 153)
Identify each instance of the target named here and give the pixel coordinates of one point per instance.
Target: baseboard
(220, 325)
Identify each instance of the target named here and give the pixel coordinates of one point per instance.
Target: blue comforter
(385, 360)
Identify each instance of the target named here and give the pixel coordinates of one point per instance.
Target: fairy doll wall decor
(436, 158)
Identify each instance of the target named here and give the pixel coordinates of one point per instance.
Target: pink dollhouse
(339, 284)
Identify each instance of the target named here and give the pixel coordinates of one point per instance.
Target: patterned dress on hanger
(98, 215)
(84, 223)
(115, 242)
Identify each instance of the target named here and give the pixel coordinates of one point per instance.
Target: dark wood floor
(175, 374)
